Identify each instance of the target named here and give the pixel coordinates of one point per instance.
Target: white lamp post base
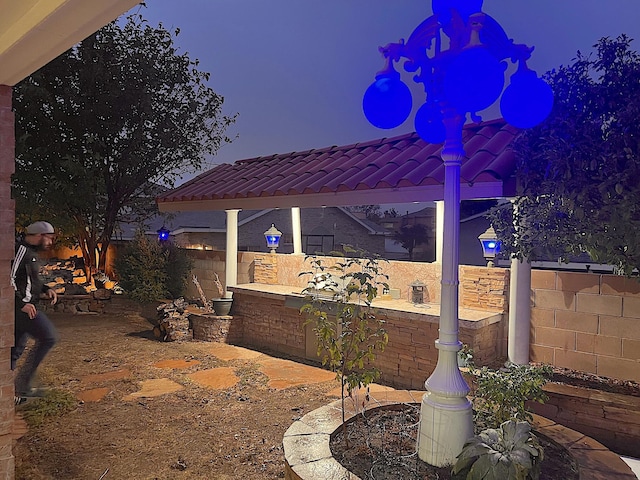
(445, 424)
(446, 416)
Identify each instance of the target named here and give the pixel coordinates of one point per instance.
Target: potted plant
(222, 304)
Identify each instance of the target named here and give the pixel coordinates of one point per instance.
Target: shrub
(179, 265)
(510, 452)
(502, 394)
(148, 270)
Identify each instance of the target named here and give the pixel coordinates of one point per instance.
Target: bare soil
(194, 433)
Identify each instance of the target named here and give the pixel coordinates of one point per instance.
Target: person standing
(29, 321)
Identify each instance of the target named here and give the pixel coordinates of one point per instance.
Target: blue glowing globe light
(429, 124)
(527, 101)
(474, 79)
(387, 102)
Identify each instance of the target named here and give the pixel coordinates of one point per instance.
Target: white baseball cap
(37, 228)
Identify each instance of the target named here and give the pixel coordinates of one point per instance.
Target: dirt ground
(196, 432)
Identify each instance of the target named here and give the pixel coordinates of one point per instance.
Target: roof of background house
(214, 222)
(388, 170)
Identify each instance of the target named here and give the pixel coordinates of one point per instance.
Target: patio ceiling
(34, 32)
(389, 170)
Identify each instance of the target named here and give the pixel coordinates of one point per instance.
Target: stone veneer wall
(409, 358)
(7, 241)
(587, 322)
(610, 418)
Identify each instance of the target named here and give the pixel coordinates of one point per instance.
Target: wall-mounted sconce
(490, 245)
(273, 238)
(163, 234)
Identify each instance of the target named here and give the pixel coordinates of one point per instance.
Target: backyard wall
(587, 322)
(271, 321)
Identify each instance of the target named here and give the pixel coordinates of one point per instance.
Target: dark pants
(45, 335)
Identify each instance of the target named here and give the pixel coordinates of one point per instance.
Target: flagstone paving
(216, 378)
(285, 373)
(154, 388)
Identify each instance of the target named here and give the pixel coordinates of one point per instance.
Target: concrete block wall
(7, 241)
(587, 322)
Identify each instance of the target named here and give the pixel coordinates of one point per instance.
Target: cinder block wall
(586, 322)
(7, 241)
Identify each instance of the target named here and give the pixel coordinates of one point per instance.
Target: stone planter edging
(308, 455)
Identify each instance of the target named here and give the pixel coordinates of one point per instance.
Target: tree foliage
(579, 170)
(101, 125)
(410, 236)
(348, 333)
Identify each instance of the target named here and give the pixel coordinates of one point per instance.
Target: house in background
(323, 229)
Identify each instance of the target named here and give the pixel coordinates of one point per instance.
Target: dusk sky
(295, 70)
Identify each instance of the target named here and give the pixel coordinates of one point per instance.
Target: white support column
(446, 419)
(519, 311)
(297, 230)
(439, 230)
(231, 261)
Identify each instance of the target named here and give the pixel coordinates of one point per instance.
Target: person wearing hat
(29, 321)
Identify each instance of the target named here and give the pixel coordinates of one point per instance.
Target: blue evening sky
(296, 70)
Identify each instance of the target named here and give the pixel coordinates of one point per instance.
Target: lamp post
(490, 245)
(272, 236)
(458, 55)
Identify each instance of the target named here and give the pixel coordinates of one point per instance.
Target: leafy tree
(410, 236)
(97, 126)
(578, 171)
(347, 330)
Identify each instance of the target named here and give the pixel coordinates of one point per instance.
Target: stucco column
(7, 241)
(297, 230)
(231, 260)
(439, 230)
(519, 311)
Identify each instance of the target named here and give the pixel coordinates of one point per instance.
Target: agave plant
(510, 452)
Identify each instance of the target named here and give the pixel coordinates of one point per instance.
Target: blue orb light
(429, 124)
(464, 7)
(163, 234)
(387, 102)
(527, 101)
(474, 79)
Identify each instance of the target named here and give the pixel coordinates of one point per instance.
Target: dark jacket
(25, 275)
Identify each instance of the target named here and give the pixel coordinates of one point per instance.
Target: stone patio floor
(281, 373)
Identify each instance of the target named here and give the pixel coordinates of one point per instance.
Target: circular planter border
(308, 455)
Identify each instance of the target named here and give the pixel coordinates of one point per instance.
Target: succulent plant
(510, 452)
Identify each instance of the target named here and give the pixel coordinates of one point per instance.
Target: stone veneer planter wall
(271, 321)
(308, 455)
(612, 419)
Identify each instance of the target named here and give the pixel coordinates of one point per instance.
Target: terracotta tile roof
(387, 170)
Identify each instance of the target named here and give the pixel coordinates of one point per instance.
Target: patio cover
(388, 170)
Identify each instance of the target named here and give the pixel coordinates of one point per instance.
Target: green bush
(148, 270)
(178, 267)
(502, 394)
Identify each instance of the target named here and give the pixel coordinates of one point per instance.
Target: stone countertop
(469, 318)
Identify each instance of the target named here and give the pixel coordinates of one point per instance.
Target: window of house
(318, 244)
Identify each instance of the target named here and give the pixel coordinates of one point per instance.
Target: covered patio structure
(388, 170)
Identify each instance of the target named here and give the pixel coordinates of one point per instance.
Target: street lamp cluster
(459, 55)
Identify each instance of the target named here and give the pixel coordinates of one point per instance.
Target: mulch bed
(382, 447)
